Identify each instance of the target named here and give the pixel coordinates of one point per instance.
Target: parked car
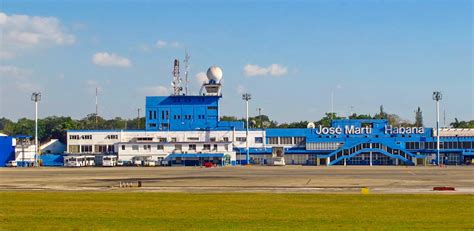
(11, 163)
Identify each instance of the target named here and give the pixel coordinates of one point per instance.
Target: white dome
(214, 73)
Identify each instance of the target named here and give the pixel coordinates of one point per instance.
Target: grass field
(243, 211)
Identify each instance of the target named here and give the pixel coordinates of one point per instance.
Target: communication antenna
(176, 79)
(444, 118)
(186, 71)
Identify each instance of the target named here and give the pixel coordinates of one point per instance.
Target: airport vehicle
(109, 161)
(74, 161)
(12, 163)
(89, 160)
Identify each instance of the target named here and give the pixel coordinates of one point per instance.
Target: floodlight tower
(36, 97)
(247, 97)
(437, 96)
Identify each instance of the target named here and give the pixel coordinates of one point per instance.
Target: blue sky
(290, 55)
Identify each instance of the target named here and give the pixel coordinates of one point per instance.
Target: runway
(287, 179)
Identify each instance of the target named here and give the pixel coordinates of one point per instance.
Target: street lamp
(36, 97)
(247, 97)
(437, 96)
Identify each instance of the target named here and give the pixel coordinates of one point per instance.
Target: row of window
(88, 149)
(179, 147)
(165, 115)
(297, 140)
(442, 145)
(323, 145)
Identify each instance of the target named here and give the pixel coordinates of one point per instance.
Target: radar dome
(214, 73)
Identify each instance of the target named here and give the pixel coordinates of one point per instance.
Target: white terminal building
(185, 129)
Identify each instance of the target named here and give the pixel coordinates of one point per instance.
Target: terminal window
(241, 139)
(73, 148)
(192, 147)
(159, 147)
(86, 148)
(286, 140)
(206, 147)
(273, 140)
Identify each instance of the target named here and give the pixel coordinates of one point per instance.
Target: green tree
(381, 114)
(359, 117)
(462, 124)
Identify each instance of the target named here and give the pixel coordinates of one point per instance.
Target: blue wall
(181, 112)
(52, 159)
(7, 152)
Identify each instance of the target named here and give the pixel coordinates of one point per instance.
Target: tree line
(54, 127)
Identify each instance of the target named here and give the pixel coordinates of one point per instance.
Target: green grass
(184, 211)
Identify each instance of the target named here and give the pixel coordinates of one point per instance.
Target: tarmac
(274, 179)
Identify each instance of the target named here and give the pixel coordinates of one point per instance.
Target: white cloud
(13, 72)
(21, 32)
(156, 90)
(201, 78)
(110, 59)
(272, 70)
(162, 44)
(18, 79)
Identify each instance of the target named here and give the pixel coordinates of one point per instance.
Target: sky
(290, 55)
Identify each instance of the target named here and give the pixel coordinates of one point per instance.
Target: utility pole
(36, 97)
(247, 97)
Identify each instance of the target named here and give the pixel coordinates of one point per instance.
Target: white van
(109, 161)
(74, 161)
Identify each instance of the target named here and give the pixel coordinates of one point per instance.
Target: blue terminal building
(185, 129)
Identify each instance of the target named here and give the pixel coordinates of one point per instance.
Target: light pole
(36, 97)
(437, 96)
(247, 97)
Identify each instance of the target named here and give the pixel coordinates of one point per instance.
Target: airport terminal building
(186, 130)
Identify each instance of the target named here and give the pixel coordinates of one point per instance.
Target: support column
(415, 161)
(370, 154)
(327, 161)
(318, 161)
(345, 162)
(396, 162)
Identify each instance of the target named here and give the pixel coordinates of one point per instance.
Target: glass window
(206, 147)
(258, 140)
(241, 139)
(135, 147)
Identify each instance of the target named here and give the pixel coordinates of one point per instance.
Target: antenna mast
(186, 71)
(176, 79)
